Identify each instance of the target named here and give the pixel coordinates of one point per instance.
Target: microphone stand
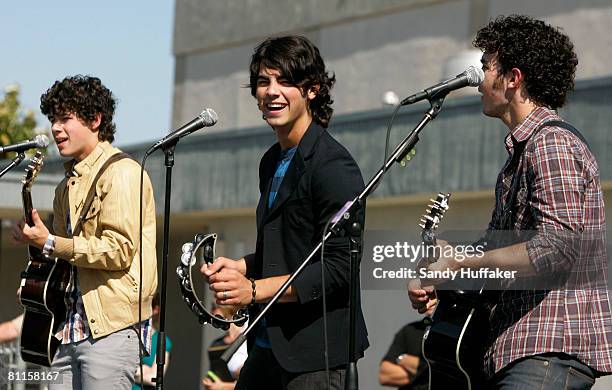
(344, 215)
(354, 231)
(16, 161)
(160, 357)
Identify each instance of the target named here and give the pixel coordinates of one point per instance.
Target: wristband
(254, 290)
(49, 246)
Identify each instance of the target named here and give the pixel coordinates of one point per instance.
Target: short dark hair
(542, 52)
(85, 97)
(300, 62)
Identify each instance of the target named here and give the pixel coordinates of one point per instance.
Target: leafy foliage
(15, 124)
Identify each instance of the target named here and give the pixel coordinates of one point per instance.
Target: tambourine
(194, 287)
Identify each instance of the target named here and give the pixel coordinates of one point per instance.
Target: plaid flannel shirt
(559, 195)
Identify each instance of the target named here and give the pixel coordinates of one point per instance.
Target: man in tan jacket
(99, 347)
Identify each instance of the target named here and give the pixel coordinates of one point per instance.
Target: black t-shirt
(408, 340)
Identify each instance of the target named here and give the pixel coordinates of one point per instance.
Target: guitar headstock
(34, 167)
(433, 216)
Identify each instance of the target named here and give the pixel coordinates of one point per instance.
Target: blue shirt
(284, 160)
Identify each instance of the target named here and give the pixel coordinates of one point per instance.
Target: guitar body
(43, 290)
(454, 343)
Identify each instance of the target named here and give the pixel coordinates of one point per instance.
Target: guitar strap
(508, 209)
(501, 237)
(92, 190)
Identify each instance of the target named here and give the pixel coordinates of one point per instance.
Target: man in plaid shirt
(560, 334)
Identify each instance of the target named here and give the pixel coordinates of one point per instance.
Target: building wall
(372, 46)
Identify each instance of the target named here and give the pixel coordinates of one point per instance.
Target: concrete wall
(206, 25)
(372, 46)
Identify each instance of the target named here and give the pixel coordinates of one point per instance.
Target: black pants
(262, 371)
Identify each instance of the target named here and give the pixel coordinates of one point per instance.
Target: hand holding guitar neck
(33, 233)
(434, 259)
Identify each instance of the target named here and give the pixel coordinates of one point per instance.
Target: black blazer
(320, 179)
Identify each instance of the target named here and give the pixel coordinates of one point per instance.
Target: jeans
(106, 363)
(551, 371)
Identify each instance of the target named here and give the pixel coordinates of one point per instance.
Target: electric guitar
(453, 345)
(43, 287)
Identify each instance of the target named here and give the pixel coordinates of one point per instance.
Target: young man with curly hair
(558, 334)
(305, 178)
(99, 341)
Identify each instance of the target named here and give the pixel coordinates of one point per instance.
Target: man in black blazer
(305, 178)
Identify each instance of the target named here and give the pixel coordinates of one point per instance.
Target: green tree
(15, 123)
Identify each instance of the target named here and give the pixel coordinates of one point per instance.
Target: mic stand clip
(16, 161)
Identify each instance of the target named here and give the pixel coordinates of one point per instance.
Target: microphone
(471, 77)
(208, 117)
(40, 141)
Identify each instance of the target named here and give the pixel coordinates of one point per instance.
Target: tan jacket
(105, 252)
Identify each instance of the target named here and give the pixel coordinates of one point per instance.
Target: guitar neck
(26, 197)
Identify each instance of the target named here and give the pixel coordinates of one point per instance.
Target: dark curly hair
(85, 97)
(542, 52)
(300, 62)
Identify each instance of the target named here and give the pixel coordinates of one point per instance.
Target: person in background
(149, 363)
(11, 329)
(213, 381)
(404, 366)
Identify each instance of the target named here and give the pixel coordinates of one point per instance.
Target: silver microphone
(471, 77)
(208, 117)
(40, 141)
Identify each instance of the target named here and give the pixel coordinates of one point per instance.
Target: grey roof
(42, 190)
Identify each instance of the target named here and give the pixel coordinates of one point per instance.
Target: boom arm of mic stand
(344, 215)
(16, 161)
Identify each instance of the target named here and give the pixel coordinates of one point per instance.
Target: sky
(127, 44)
